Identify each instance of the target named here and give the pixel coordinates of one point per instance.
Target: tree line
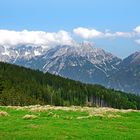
(23, 86)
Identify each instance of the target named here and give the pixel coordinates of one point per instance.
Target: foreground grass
(60, 123)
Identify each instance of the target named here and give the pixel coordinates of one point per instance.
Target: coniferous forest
(23, 86)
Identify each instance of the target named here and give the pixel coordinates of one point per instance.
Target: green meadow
(68, 123)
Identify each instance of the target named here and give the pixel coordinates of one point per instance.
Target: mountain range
(82, 62)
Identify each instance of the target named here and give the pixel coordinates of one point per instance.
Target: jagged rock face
(26, 52)
(82, 62)
(85, 63)
(133, 59)
(77, 56)
(127, 78)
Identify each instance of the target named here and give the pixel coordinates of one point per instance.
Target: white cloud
(87, 33)
(137, 29)
(123, 34)
(118, 34)
(45, 39)
(13, 38)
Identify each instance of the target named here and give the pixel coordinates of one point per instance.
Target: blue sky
(55, 15)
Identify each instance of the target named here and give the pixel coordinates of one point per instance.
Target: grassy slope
(127, 126)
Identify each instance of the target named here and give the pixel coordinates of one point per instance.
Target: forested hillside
(22, 86)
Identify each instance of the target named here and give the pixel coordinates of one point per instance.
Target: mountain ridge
(83, 62)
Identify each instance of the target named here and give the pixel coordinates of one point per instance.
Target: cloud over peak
(13, 38)
(87, 33)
